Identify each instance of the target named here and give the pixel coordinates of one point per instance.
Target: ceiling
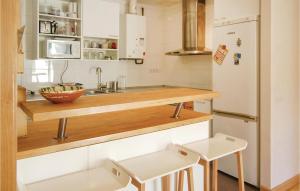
(159, 2)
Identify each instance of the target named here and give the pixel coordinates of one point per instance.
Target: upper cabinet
(57, 29)
(101, 19)
(232, 9)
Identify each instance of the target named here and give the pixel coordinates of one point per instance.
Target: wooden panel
(8, 62)
(93, 129)
(189, 105)
(21, 122)
(43, 110)
(289, 185)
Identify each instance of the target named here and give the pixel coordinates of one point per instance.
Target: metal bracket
(62, 128)
(178, 110)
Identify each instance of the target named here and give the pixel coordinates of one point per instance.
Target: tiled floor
(227, 183)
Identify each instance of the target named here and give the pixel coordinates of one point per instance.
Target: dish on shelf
(65, 93)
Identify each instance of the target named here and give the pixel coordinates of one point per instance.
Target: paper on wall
(220, 54)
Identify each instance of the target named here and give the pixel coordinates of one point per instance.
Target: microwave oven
(62, 49)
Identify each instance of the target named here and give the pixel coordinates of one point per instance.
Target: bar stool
(109, 177)
(160, 165)
(210, 150)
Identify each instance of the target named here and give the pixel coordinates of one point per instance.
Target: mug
(94, 44)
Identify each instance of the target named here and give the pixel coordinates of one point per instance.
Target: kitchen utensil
(87, 44)
(100, 55)
(114, 45)
(86, 55)
(113, 86)
(93, 55)
(105, 45)
(73, 9)
(94, 44)
(122, 82)
(62, 93)
(68, 28)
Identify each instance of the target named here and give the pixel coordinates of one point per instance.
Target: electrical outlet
(154, 70)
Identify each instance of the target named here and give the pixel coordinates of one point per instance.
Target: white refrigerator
(237, 81)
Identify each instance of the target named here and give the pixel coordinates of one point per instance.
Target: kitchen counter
(38, 97)
(89, 105)
(107, 117)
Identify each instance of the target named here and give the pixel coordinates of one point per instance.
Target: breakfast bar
(95, 119)
(43, 110)
(107, 127)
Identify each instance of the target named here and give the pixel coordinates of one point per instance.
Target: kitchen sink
(95, 92)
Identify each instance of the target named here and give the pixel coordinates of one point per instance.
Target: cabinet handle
(20, 38)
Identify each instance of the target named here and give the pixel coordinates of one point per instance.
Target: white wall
(280, 126)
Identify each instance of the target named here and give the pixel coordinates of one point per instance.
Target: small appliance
(62, 49)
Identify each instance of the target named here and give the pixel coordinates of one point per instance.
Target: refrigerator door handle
(244, 117)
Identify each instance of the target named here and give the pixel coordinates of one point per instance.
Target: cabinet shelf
(59, 35)
(101, 49)
(59, 17)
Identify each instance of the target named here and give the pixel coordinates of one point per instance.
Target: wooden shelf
(44, 110)
(94, 129)
(59, 35)
(59, 17)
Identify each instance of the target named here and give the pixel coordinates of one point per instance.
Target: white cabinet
(132, 39)
(232, 9)
(57, 20)
(101, 19)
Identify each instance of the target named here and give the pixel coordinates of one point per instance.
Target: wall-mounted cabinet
(57, 21)
(100, 49)
(101, 19)
(133, 37)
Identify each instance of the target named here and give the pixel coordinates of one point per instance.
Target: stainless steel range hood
(193, 29)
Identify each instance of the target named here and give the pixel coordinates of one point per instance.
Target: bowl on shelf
(62, 93)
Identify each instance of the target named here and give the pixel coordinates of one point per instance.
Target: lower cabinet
(48, 166)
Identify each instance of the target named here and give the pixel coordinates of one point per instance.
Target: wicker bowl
(62, 96)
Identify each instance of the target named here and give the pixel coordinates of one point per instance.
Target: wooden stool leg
(190, 177)
(140, 187)
(166, 183)
(240, 171)
(215, 176)
(180, 181)
(206, 167)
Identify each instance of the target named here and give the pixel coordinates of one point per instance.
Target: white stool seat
(108, 178)
(217, 147)
(159, 164)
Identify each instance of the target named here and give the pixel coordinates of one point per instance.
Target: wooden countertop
(89, 105)
(94, 129)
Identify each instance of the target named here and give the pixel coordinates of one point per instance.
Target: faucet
(99, 74)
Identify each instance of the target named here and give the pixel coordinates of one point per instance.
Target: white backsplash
(163, 33)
